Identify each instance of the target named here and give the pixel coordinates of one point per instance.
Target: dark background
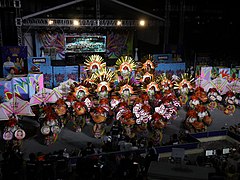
(210, 27)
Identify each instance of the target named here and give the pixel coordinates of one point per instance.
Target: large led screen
(85, 44)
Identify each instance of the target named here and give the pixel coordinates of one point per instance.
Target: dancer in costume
(125, 116)
(60, 109)
(191, 122)
(184, 86)
(193, 102)
(103, 79)
(93, 64)
(230, 103)
(214, 98)
(82, 92)
(13, 133)
(125, 67)
(148, 65)
(203, 115)
(165, 82)
(157, 126)
(126, 91)
(201, 94)
(50, 126)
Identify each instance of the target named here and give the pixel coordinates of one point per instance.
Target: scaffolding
(44, 22)
(29, 21)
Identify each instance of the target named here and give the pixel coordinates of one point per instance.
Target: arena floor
(75, 140)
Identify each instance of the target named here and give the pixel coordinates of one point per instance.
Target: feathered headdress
(84, 86)
(94, 61)
(186, 80)
(148, 64)
(126, 87)
(146, 76)
(163, 80)
(125, 62)
(103, 78)
(151, 85)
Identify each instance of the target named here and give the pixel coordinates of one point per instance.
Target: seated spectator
(89, 150)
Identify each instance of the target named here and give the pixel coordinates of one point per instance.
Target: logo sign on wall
(35, 64)
(160, 58)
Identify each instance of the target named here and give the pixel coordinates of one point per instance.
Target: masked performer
(60, 109)
(148, 65)
(214, 98)
(230, 103)
(13, 133)
(50, 127)
(125, 66)
(165, 82)
(103, 80)
(93, 64)
(125, 116)
(191, 122)
(203, 115)
(157, 125)
(201, 94)
(184, 86)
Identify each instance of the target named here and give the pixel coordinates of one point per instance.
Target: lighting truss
(44, 22)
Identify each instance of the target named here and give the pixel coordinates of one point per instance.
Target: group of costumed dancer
(133, 97)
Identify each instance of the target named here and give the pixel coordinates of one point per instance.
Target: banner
(50, 44)
(14, 57)
(23, 87)
(161, 58)
(1, 93)
(7, 86)
(72, 72)
(47, 72)
(35, 64)
(119, 44)
(35, 84)
(224, 73)
(170, 68)
(206, 73)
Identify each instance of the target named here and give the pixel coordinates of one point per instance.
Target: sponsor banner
(14, 57)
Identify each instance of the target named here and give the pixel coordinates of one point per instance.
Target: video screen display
(85, 44)
(226, 151)
(210, 152)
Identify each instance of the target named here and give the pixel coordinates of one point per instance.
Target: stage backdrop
(14, 56)
(52, 44)
(119, 43)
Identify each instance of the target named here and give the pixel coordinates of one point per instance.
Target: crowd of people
(86, 163)
(103, 162)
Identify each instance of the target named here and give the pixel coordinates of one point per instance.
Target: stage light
(76, 23)
(119, 23)
(50, 22)
(142, 23)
